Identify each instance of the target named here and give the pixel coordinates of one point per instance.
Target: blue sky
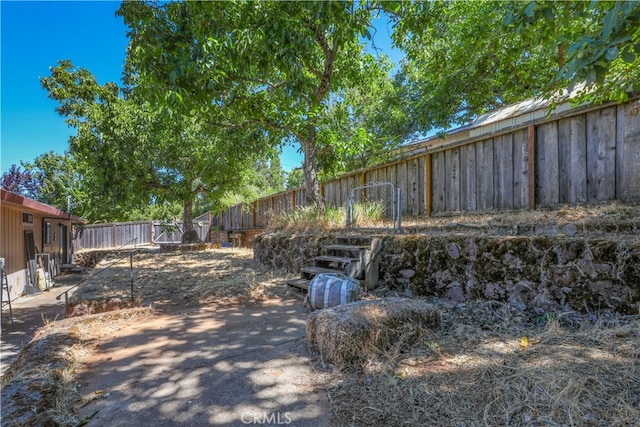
(35, 35)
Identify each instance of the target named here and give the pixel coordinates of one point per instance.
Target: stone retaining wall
(89, 258)
(544, 272)
(289, 252)
(241, 238)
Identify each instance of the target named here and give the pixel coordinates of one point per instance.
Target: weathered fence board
(401, 182)
(547, 189)
(468, 182)
(520, 169)
(572, 160)
(503, 171)
(412, 188)
(484, 174)
(452, 171)
(628, 151)
(601, 154)
(438, 181)
(421, 178)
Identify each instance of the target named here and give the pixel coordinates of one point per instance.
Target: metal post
(66, 304)
(399, 209)
(131, 274)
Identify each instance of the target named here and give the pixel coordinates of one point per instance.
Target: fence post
(399, 209)
(531, 166)
(427, 184)
(254, 213)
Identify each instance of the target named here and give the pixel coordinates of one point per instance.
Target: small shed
(32, 235)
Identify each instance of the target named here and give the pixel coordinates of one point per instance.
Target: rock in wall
(543, 271)
(289, 252)
(529, 271)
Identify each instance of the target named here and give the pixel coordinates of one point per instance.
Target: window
(27, 218)
(46, 233)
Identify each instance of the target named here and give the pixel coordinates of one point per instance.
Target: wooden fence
(518, 159)
(98, 236)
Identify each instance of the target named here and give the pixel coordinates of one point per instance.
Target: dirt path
(226, 365)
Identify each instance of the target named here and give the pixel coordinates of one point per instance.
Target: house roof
(27, 203)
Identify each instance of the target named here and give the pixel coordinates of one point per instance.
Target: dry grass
(491, 364)
(227, 275)
(488, 363)
(307, 219)
(606, 217)
(352, 333)
(40, 387)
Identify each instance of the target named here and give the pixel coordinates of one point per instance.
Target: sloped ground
(219, 348)
(490, 362)
(227, 275)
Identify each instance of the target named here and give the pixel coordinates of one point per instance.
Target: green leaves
(275, 68)
(467, 58)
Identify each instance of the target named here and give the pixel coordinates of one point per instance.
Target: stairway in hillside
(353, 255)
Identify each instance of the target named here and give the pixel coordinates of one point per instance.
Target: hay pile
(354, 332)
(491, 364)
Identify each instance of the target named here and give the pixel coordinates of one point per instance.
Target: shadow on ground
(30, 313)
(213, 365)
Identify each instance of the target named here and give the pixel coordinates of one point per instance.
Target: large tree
(59, 182)
(20, 181)
(599, 43)
(280, 67)
(467, 58)
(137, 153)
(462, 61)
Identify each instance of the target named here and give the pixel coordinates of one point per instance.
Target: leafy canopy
(285, 68)
(134, 154)
(468, 58)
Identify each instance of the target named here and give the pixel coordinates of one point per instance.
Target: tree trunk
(312, 185)
(190, 235)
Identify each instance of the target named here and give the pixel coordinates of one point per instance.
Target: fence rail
(98, 236)
(583, 155)
(524, 160)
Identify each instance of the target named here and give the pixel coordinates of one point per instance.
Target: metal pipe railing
(130, 255)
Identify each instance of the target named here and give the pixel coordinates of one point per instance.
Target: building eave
(27, 203)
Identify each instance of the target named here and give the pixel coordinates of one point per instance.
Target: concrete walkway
(210, 365)
(207, 366)
(31, 312)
